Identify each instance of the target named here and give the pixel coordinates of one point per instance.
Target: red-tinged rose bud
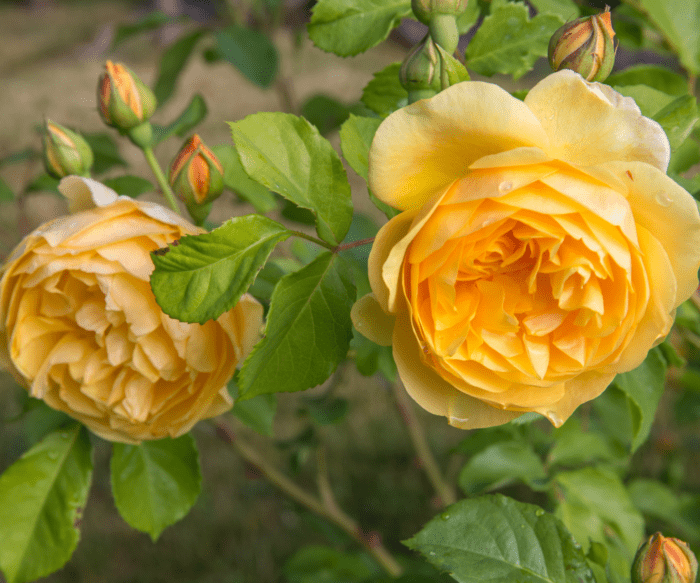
(123, 100)
(664, 560)
(197, 177)
(65, 152)
(425, 9)
(586, 46)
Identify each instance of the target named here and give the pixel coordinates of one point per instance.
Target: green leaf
(151, 21)
(19, 156)
(257, 413)
(384, 93)
(44, 183)
(567, 9)
(326, 113)
(501, 464)
(573, 446)
(318, 564)
(594, 505)
(658, 501)
(236, 179)
(172, 63)
(42, 497)
(349, 27)
(205, 275)
(289, 156)
(194, 113)
(685, 156)
(307, 333)
(679, 21)
(678, 119)
(508, 41)
(654, 76)
(495, 539)
(155, 483)
(643, 387)
(326, 410)
(649, 100)
(105, 151)
(355, 139)
(250, 51)
(6, 194)
(129, 185)
(468, 18)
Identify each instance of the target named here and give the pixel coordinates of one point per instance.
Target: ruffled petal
(589, 123)
(427, 145)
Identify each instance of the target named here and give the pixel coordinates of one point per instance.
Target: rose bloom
(80, 327)
(541, 249)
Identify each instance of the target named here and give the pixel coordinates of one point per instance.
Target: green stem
(314, 240)
(160, 177)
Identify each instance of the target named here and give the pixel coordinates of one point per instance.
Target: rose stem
(313, 240)
(160, 177)
(416, 430)
(327, 508)
(359, 243)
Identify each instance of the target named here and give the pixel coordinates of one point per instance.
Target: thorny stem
(160, 177)
(420, 443)
(326, 507)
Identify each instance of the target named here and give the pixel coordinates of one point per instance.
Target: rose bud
(65, 152)
(197, 177)
(425, 9)
(80, 327)
(664, 560)
(124, 102)
(586, 46)
(420, 70)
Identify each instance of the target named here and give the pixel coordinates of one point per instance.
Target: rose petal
(590, 124)
(371, 321)
(426, 146)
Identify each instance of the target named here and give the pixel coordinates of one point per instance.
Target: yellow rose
(541, 249)
(80, 327)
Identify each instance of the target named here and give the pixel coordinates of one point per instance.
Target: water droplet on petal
(505, 186)
(662, 199)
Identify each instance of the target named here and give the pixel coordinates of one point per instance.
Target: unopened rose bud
(425, 9)
(420, 70)
(123, 100)
(586, 46)
(65, 152)
(197, 177)
(664, 560)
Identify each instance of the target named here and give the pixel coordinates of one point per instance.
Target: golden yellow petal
(426, 146)
(589, 124)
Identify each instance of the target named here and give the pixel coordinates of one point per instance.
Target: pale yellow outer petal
(424, 147)
(589, 123)
(85, 193)
(670, 214)
(371, 321)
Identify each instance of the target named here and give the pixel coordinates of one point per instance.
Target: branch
(327, 507)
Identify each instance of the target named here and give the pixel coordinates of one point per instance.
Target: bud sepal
(65, 152)
(585, 45)
(197, 177)
(664, 560)
(123, 100)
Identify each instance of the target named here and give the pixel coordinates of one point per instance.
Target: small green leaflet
(195, 112)
(6, 193)
(495, 539)
(129, 185)
(203, 276)
(106, 152)
(679, 21)
(307, 333)
(319, 564)
(42, 497)
(501, 464)
(155, 483)
(257, 413)
(508, 41)
(355, 139)
(349, 27)
(384, 93)
(250, 51)
(564, 8)
(172, 63)
(236, 179)
(289, 156)
(654, 76)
